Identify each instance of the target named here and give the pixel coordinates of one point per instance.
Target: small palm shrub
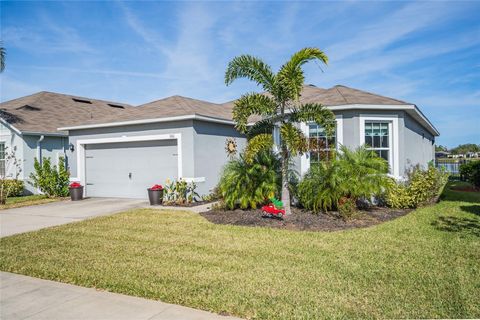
(471, 172)
(248, 184)
(52, 181)
(420, 187)
(353, 175)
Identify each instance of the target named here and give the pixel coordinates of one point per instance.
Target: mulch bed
(186, 205)
(304, 220)
(465, 188)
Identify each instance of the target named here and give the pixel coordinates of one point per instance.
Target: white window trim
(305, 158)
(394, 156)
(82, 142)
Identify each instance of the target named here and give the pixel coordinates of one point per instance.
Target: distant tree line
(460, 149)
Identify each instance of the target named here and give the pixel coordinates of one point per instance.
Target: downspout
(39, 148)
(39, 154)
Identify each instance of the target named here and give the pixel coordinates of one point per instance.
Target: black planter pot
(76, 193)
(155, 197)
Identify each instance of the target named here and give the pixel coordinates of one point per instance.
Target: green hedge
(421, 187)
(14, 187)
(471, 172)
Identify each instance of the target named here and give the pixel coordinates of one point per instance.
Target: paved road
(23, 297)
(19, 220)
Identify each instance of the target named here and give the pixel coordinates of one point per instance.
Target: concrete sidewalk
(23, 297)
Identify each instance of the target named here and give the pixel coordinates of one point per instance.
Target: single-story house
(29, 128)
(122, 152)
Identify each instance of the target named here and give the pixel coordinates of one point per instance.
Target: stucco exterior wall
(185, 128)
(210, 154)
(51, 147)
(415, 145)
(419, 144)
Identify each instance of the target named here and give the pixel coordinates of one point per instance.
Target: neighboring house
(28, 127)
(122, 153)
(441, 154)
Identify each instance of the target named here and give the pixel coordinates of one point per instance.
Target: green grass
(423, 265)
(17, 202)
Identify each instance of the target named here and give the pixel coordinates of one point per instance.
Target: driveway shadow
(462, 225)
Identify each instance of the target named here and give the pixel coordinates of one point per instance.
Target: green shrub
(11, 187)
(249, 185)
(354, 174)
(421, 187)
(180, 192)
(51, 181)
(471, 172)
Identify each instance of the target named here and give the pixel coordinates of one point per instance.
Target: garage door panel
(126, 169)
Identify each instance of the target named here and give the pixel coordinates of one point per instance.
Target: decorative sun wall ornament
(231, 147)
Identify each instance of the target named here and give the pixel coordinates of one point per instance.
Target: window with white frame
(2, 159)
(377, 138)
(322, 146)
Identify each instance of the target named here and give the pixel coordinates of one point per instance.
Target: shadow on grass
(462, 225)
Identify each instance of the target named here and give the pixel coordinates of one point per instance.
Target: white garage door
(127, 169)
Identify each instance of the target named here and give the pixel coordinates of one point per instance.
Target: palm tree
(2, 57)
(279, 108)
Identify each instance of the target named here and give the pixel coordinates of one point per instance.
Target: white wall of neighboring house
(13, 143)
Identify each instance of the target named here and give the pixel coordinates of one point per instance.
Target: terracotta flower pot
(155, 196)
(76, 193)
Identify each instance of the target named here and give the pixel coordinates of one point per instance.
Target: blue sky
(427, 53)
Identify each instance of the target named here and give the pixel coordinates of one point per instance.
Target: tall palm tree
(279, 108)
(2, 57)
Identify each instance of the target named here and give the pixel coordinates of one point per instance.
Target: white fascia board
(47, 134)
(412, 110)
(4, 122)
(146, 121)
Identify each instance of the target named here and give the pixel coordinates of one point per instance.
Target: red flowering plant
(75, 185)
(156, 187)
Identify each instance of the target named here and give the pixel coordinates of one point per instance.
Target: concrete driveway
(19, 220)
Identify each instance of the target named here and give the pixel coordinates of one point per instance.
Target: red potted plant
(76, 191)
(155, 195)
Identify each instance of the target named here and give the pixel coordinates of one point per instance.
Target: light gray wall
(185, 128)
(51, 147)
(415, 143)
(210, 154)
(419, 144)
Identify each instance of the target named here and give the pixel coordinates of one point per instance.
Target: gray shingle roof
(47, 111)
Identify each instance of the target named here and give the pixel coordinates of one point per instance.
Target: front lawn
(17, 202)
(423, 265)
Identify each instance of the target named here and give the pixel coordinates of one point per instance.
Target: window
(377, 138)
(2, 159)
(322, 146)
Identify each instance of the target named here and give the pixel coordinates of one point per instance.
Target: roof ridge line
(346, 101)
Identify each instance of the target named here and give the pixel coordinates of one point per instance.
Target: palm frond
(251, 104)
(317, 113)
(293, 137)
(252, 68)
(256, 144)
(262, 126)
(2, 58)
(290, 75)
